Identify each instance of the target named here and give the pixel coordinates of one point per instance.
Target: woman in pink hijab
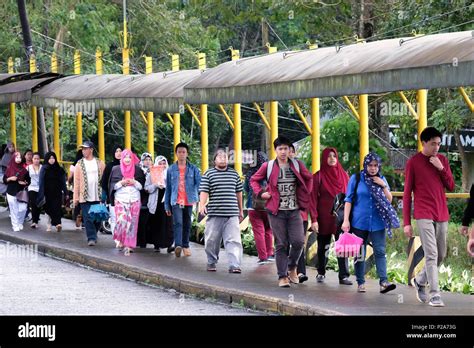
(125, 183)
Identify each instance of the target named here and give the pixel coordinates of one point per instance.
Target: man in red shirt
(427, 175)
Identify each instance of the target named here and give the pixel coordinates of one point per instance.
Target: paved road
(32, 284)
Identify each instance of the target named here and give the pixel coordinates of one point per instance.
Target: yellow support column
(57, 144)
(127, 118)
(315, 135)
(422, 100)
(363, 127)
(100, 115)
(12, 107)
(34, 114)
(237, 128)
(204, 125)
(176, 116)
(77, 71)
(149, 115)
(273, 117)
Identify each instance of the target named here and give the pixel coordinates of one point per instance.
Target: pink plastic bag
(348, 245)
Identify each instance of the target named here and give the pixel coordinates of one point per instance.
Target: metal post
(149, 115)
(77, 71)
(422, 100)
(12, 108)
(100, 115)
(315, 135)
(273, 117)
(34, 113)
(204, 125)
(126, 71)
(57, 143)
(176, 116)
(237, 128)
(363, 127)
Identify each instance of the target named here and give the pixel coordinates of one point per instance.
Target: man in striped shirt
(221, 189)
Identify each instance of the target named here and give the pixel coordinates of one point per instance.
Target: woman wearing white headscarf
(146, 162)
(160, 232)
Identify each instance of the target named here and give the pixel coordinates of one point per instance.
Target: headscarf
(79, 156)
(7, 156)
(52, 170)
(115, 161)
(383, 206)
(15, 169)
(261, 159)
(333, 178)
(128, 170)
(160, 158)
(144, 155)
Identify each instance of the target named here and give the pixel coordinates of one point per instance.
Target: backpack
(272, 162)
(338, 204)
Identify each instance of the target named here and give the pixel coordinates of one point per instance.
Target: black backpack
(338, 205)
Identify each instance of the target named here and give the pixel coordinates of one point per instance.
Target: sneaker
(48, 228)
(186, 252)
(361, 288)
(345, 281)
(126, 252)
(320, 278)
(170, 249)
(177, 251)
(284, 282)
(211, 267)
(302, 278)
(420, 291)
(436, 301)
(59, 228)
(262, 262)
(33, 225)
(90, 243)
(271, 258)
(234, 269)
(21, 227)
(16, 230)
(293, 276)
(386, 287)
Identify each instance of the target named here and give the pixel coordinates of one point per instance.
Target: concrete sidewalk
(256, 287)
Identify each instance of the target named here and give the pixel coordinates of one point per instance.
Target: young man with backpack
(288, 186)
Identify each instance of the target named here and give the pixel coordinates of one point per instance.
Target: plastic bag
(348, 245)
(98, 213)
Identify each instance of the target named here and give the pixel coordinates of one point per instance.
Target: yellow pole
(273, 117)
(100, 115)
(363, 127)
(204, 125)
(127, 117)
(237, 128)
(176, 116)
(422, 100)
(57, 144)
(34, 113)
(315, 135)
(77, 71)
(12, 108)
(149, 115)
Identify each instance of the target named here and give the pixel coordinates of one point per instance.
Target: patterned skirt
(126, 215)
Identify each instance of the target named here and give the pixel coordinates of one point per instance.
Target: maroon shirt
(428, 185)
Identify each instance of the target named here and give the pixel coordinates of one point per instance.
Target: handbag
(258, 203)
(338, 205)
(22, 196)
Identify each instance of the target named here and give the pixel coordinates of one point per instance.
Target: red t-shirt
(182, 197)
(428, 185)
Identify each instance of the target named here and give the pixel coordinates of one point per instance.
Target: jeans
(91, 226)
(225, 229)
(182, 225)
(378, 242)
(433, 241)
(287, 227)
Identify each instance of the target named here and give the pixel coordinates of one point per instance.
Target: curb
(230, 296)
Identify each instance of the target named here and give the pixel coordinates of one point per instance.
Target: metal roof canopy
(20, 90)
(159, 92)
(431, 61)
(7, 78)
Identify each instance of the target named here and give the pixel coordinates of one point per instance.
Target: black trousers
(302, 260)
(324, 242)
(35, 211)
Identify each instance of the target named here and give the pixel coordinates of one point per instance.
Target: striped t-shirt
(222, 187)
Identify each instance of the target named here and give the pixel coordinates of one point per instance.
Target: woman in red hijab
(330, 180)
(17, 179)
(125, 183)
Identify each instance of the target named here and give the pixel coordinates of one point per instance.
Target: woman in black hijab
(52, 186)
(117, 155)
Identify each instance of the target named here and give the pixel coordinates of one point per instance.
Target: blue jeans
(91, 226)
(182, 225)
(378, 242)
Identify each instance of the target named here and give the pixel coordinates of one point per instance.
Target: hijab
(115, 161)
(333, 178)
(144, 155)
(15, 169)
(128, 170)
(261, 159)
(160, 158)
(383, 206)
(52, 170)
(7, 156)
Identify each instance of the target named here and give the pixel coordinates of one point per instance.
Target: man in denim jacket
(182, 192)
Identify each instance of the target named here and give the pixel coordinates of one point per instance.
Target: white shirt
(92, 172)
(127, 194)
(34, 175)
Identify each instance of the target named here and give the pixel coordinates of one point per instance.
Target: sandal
(235, 270)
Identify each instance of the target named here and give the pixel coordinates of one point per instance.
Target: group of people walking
(152, 202)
